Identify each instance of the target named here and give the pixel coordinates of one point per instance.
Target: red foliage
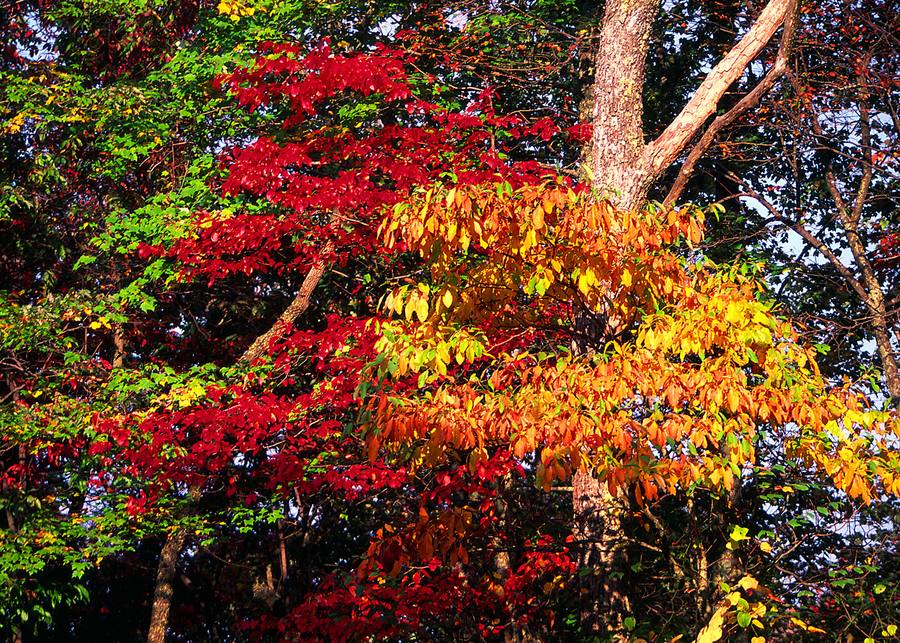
(327, 181)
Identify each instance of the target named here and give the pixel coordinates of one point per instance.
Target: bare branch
(665, 149)
(807, 236)
(746, 103)
(865, 136)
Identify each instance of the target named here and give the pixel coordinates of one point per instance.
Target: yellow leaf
(451, 197)
(626, 278)
(537, 217)
(733, 313)
(583, 285)
(733, 399)
(748, 583)
(422, 309)
(447, 299)
(765, 547)
(713, 630)
(758, 639)
(464, 240)
(796, 621)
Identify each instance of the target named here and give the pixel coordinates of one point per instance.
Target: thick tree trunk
(601, 541)
(616, 158)
(616, 165)
(623, 166)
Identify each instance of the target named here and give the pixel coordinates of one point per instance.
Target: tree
(332, 375)
(836, 138)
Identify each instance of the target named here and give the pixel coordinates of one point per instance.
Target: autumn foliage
(472, 328)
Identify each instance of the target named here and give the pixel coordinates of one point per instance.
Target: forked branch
(750, 100)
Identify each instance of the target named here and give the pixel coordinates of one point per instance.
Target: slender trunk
(168, 557)
(165, 585)
(849, 214)
(874, 295)
(501, 558)
(503, 563)
(118, 346)
(296, 308)
(17, 633)
(887, 354)
(283, 555)
(874, 300)
(729, 568)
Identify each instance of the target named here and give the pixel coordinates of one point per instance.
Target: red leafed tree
(326, 187)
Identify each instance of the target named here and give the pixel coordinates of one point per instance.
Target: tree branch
(807, 236)
(747, 102)
(296, 308)
(664, 150)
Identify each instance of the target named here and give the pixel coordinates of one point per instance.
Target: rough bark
(165, 585)
(118, 346)
(171, 550)
(617, 151)
(601, 543)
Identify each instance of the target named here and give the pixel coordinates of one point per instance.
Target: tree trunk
(168, 557)
(17, 633)
(601, 544)
(622, 167)
(165, 585)
(615, 164)
(119, 346)
(616, 157)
